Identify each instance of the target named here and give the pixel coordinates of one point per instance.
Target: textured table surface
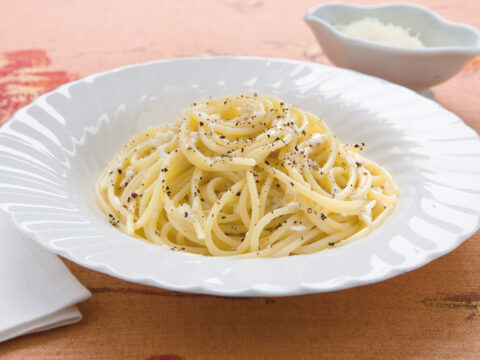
(430, 313)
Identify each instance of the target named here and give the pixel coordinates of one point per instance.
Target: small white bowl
(449, 46)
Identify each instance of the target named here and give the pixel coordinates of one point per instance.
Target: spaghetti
(245, 176)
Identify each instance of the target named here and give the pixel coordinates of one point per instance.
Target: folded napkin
(37, 292)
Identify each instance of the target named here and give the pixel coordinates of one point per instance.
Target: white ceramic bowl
(52, 151)
(449, 46)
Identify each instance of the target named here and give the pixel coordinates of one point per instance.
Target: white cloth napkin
(37, 292)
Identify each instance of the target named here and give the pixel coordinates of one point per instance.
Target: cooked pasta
(245, 176)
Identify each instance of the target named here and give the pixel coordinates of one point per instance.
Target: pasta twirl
(245, 176)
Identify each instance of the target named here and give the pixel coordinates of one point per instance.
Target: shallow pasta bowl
(53, 150)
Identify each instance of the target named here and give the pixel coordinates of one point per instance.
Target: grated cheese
(372, 29)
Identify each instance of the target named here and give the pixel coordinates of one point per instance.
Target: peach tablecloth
(431, 313)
